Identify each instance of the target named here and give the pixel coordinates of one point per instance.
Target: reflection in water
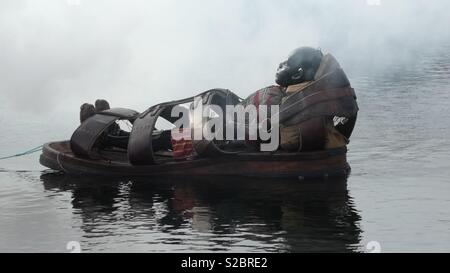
(211, 214)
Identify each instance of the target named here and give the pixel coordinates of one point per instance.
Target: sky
(57, 54)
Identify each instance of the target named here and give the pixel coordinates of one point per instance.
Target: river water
(398, 194)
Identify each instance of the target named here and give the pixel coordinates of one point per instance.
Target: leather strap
(86, 135)
(140, 145)
(329, 96)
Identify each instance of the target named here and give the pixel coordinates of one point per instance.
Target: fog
(57, 54)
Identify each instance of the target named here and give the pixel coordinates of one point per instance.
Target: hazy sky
(56, 54)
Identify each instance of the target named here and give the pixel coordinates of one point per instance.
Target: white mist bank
(54, 55)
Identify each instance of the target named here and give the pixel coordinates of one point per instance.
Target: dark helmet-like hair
(301, 65)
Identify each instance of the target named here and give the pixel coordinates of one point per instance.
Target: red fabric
(269, 100)
(256, 99)
(256, 103)
(182, 148)
(268, 96)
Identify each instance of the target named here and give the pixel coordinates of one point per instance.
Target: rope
(34, 150)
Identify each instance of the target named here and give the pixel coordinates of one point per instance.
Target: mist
(57, 54)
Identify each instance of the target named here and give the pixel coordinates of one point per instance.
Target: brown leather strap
(140, 149)
(140, 145)
(296, 102)
(86, 135)
(329, 96)
(332, 102)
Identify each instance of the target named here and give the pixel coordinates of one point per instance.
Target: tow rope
(34, 150)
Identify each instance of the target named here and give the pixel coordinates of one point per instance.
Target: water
(398, 193)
